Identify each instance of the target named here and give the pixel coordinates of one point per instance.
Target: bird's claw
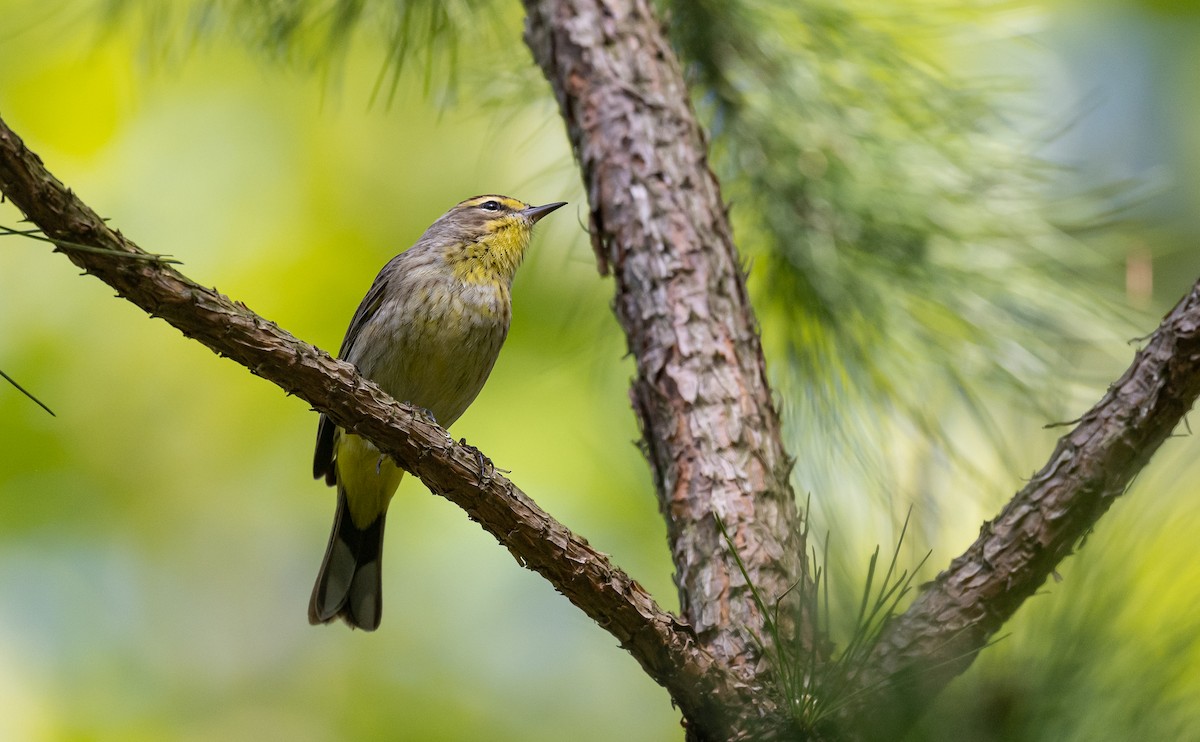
(486, 467)
(424, 412)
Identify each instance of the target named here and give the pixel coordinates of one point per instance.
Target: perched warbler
(428, 333)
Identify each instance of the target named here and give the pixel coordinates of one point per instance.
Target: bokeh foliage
(894, 221)
(922, 311)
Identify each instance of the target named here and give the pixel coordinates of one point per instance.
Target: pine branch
(664, 646)
(957, 614)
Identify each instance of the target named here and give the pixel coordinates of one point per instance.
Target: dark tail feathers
(348, 585)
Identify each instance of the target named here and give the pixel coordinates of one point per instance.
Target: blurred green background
(159, 537)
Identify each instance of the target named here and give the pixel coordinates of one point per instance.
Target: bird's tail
(348, 585)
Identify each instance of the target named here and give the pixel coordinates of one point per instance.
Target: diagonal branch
(958, 613)
(665, 647)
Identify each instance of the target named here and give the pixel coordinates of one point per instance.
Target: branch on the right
(958, 613)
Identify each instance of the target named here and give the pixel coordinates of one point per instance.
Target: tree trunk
(709, 426)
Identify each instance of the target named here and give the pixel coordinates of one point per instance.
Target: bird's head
(486, 236)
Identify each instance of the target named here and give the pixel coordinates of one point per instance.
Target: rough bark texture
(955, 616)
(664, 647)
(709, 426)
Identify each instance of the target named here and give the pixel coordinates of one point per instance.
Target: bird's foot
(424, 412)
(486, 467)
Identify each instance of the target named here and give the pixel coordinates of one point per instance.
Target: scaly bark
(709, 425)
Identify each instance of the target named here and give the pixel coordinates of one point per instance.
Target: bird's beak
(533, 213)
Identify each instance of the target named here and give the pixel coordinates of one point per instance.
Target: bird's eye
(490, 205)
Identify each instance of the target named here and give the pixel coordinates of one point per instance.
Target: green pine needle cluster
(900, 258)
(810, 682)
(318, 34)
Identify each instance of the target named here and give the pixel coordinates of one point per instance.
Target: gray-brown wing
(326, 429)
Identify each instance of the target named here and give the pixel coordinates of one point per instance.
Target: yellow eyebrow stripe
(508, 203)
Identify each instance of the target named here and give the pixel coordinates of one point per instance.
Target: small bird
(428, 333)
